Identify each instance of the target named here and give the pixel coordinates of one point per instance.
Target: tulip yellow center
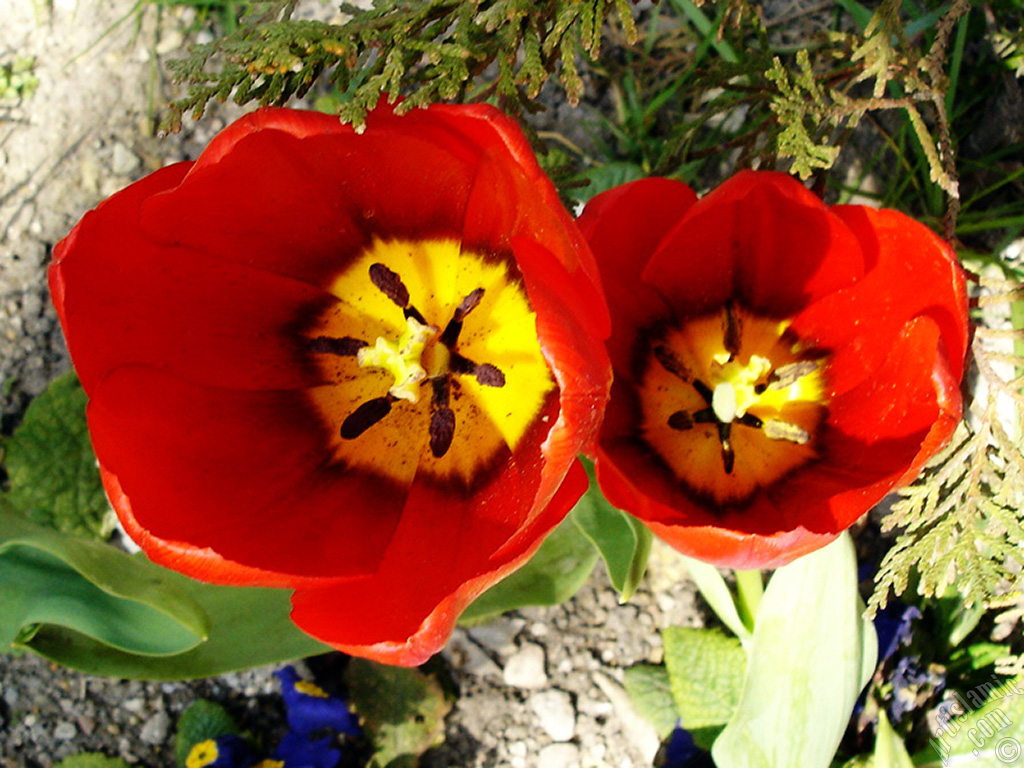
(731, 402)
(433, 360)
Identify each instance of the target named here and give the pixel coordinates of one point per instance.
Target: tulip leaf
(706, 671)
(651, 695)
(91, 607)
(716, 593)
(401, 710)
(553, 575)
(622, 541)
(249, 627)
(808, 658)
(53, 580)
(51, 466)
(890, 751)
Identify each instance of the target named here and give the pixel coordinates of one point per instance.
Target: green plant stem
(749, 589)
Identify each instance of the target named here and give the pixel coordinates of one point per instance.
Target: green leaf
(71, 584)
(91, 760)
(249, 627)
(716, 592)
(401, 710)
(890, 751)
(201, 721)
(983, 728)
(553, 575)
(52, 469)
(622, 541)
(649, 691)
(807, 658)
(93, 608)
(605, 177)
(706, 669)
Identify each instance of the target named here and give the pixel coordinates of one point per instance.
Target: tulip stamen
(731, 401)
(346, 346)
(420, 355)
(365, 416)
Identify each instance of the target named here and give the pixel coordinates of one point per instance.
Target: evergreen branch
(425, 51)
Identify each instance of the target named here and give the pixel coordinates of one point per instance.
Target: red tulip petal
(407, 612)
(862, 321)
(216, 323)
(761, 239)
(225, 470)
(610, 224)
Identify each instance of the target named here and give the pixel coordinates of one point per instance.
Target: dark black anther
(442, 391)
(467, 305)
(451, 331)
(365, 416)
(390, 284)
(442, 430)
(750, 420)
(671, 363)
(705, 416)
(681, 420)
(728, 455)
(346, 346)
(732, 331)
(489, 375)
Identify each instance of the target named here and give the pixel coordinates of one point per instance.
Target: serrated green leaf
(650, 692)
(51, 466)
(55, 580)
(807, 659)
(979, 734)
(91, 760)
(623, 542)
(553, 575)
(605, 177)
(201, 721)
(706, 669)
(402, 711)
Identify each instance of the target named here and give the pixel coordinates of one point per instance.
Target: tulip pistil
(731, 402)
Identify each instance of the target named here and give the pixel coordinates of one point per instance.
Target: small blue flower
(298, 750)
(894, 625)
(913, 685)
(682, 752)
(227, 751)
(309, 709)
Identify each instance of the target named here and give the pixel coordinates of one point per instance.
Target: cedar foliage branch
(426, 51)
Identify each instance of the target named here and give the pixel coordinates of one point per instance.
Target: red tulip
(360, 366)
(779, 365)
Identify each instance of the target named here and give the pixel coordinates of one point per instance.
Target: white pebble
(525, 668)
(556, 714)
(559, 756)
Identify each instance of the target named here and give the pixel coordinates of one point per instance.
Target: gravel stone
(65, 731)
(556, 714)
(155, 729)
(525, 668)
(559, 756)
